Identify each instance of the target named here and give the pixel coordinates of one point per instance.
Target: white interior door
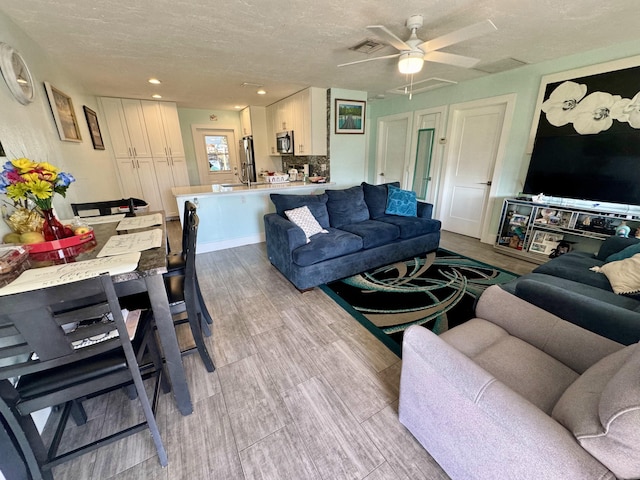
(217, 155)
(392, 152)
(475, 140)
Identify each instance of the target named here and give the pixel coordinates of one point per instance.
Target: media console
(532, 230)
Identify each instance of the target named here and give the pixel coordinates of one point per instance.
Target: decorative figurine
(623, 230)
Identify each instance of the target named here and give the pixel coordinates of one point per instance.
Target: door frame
(195, 128)
(382, 121)
(488, 231)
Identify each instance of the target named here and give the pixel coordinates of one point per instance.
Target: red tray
(59, 244)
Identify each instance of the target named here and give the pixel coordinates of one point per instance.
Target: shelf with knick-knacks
(533, 231)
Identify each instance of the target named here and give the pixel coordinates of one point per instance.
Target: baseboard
(230, 243)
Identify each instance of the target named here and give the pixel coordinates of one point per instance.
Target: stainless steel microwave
(284, 142)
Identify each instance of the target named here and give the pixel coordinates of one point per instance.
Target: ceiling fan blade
(451, 59)
(382, 32)
(466, 33)
(369, 59)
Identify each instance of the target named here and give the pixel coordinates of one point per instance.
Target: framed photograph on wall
(350, 116)
(94, 128)
(63, 114)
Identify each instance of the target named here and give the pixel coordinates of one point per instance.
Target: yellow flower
(23, 164)
(17, 191)
(47, 167)
(40, 189)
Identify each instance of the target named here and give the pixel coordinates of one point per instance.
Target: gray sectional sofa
(360, 234)
(566, 287)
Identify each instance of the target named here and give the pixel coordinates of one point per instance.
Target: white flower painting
(590, 114)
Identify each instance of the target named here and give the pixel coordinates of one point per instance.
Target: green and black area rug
(437, 290)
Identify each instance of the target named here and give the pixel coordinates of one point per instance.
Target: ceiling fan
(414, 52)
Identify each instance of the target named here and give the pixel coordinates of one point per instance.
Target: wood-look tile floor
(301, 390)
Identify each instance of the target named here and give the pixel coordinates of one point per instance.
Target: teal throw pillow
(626, 252)
(401, 202)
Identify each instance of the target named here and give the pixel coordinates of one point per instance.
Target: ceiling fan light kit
(411, 62)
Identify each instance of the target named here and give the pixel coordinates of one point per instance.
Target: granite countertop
(230, 189)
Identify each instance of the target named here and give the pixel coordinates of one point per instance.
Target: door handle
(485, 183)
(381, 174)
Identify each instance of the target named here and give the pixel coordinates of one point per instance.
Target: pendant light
(411, 62)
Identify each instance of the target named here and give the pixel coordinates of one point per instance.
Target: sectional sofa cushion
(602, 410)
(575, 266)
(401, 202)
(346, 206)
(412, 226)
(373, 232)
(376, 197)
(334, 244)
(626, 252)
(613, 245)
(317, 205)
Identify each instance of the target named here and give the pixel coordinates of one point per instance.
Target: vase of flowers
(25, 182)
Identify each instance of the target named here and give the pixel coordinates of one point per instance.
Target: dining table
(147, 277)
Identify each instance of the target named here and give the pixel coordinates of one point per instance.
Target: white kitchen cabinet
(138, 179)
(170, 172)
(306, 114)
(163, 128)
(245, 122)
(126, 126)
(271, 118)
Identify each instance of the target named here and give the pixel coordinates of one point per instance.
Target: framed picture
(350, 116)
(544, 242)
(63, 114)
(94, 128)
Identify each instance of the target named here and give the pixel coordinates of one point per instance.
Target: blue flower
(65, 179)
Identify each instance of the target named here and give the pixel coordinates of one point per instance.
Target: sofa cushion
(626, 252)
(623, 275)
(303, 218)
(412, 226)
(373, 232)
(376, 198)
(346, 206)
(602, 410)
(323, 247)
(614, 244)
(401, 202)
(575, 266)
(317, 205)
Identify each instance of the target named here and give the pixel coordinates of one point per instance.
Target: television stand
(531, 231)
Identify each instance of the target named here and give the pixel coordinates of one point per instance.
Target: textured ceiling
(204, 50)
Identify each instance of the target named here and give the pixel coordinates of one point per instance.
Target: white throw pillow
(303, 218)
(624, 275)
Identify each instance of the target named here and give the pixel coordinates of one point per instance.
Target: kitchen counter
(232, 215)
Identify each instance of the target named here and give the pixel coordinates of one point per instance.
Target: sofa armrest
(474, 426)
(612, 321)
(425, 210)
(282, 234)
(566, 342)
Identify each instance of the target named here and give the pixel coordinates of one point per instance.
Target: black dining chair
(182, 291)
(105, 207)
(176, 262)
(60, 347)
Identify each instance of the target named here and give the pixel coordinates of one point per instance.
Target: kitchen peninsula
(231, 216)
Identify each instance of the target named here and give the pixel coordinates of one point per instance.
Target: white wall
(29, 131)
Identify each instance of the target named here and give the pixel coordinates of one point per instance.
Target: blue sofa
(566, 287)
(360, 234)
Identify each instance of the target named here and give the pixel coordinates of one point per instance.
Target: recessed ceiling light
(238, 107)
(156, 96)
(155, 81)
(261, 92)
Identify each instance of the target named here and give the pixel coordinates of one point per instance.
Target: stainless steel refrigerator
(247, 160)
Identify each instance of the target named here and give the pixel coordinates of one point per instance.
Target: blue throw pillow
(627, 252)
(375, 197)
(401, 202)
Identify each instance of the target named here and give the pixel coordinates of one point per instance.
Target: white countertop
(206, 190)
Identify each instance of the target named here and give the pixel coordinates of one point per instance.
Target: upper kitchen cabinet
(306, 114)
(245, 122)
(163, 128)
(310, 121)
(126, 125)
